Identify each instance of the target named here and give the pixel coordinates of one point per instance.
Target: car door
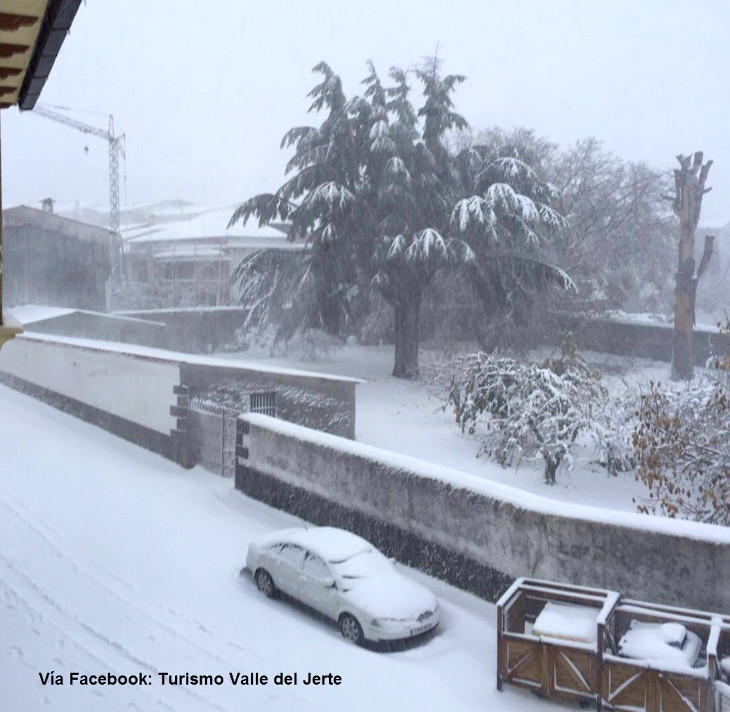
(287, 568)
(316, 587)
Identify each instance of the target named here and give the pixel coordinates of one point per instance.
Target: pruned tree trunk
(407, 311)
(689, 182)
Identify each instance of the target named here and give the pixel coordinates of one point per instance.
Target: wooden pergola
(31, 35)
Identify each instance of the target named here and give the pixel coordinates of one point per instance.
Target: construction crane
(116, 147)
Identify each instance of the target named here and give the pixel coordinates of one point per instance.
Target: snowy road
(117, 561)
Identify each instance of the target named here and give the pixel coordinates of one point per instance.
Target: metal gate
(213, 436)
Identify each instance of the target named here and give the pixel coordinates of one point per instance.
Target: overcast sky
(205, 90)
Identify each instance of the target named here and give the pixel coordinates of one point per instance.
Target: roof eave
(56, 24)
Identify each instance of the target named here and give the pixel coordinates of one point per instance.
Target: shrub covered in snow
(682, 439)
(526, 410)
(683, 443)
(612, 430)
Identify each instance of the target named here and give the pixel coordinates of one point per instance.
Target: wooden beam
(1, 240)
(8, 50)
(12, 22)
(7, 72)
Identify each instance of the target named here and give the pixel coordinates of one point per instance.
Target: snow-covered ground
(114, 560)
(408, 417)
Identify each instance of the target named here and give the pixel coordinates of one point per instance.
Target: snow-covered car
(345, 578)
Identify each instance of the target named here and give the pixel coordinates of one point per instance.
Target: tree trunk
(684, 316)
(407, 309)
(689, 183)
(330, 313)
(552, 462)
(328, 299)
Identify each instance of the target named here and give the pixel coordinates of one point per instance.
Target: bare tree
(689, 183)
(616, 212)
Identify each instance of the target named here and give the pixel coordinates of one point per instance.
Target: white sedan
(346, 579)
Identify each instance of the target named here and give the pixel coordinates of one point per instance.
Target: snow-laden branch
(525, 409)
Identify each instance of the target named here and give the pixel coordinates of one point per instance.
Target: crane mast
(116, 146)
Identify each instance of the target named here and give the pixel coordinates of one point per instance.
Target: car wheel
(351, 629)
(265, 583)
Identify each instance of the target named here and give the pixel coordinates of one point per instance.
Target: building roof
(203, 223)
(25, 215)
(31, 35)
(185, 232)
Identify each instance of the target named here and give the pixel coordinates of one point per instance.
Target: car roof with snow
(330, 543)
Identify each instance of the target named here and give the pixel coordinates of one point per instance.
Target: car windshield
(362, 565)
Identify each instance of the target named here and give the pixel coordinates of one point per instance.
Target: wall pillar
(181, 433)
(241, 471)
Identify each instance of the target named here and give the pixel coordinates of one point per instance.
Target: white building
(184, 255)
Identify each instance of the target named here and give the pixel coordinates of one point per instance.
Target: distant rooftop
(140, 214)
(191, 223)
(26, 215)
(165, 226)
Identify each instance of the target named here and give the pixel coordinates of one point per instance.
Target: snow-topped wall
(631, 335)
(137, 389)
(129, 395)
(80, 324)
(319, 401)
(474, 533)
(143, 394)
(198, 330)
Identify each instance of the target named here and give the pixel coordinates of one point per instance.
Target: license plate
(421, 628)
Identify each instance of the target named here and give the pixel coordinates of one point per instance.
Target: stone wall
(643, 340)
(477, 534)
(104, 327)
(143, 394)
(318, 401)
(127, 395)
(197, 331)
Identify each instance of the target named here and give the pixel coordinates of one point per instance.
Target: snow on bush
(527, 410)
(612, 430)
(682, 439)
